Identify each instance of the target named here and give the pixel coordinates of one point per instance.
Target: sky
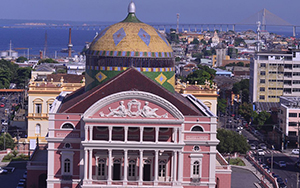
(149, 11)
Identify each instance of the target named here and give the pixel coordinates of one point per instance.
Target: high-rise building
(274, 74)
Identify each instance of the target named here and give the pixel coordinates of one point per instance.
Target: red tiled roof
(79, 101)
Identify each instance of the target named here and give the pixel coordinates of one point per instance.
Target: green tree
(199, 75)
(246, 110)
(240, 86)
(240, 64)
(206, 52)
(203, 41)
(261, 118)
(238, 42)
(231, 142)
(61, 71)
(198, 56)
(23, 75)
(195, 41)
(21, 59)
(9, 142)
(177, 59)
(222, 104)
(48, 60)
(172, 36)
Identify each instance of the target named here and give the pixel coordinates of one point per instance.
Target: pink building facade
(134, 139)
(128, 127)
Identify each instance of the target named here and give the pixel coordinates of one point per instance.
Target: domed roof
(131, 37)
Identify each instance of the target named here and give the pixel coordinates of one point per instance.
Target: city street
(289, 172)
(247, 176)
(10, 180)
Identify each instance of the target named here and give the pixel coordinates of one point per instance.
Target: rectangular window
(292, 114)
(262, 81)
(292, 133)
(262, 73)
(262, 89)
(262, 97)
(292, 124)
(262, 65)
(38, 108)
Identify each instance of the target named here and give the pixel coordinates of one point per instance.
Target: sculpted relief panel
(134, 108)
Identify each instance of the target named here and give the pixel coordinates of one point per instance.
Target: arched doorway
(42, 181)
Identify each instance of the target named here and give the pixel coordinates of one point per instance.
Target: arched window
(131, 169)
(67, 166)
(208, 104)
(67, 126)
(37, 129)
(162, 169)
(197, 128)
(101, 167)
(196, 166)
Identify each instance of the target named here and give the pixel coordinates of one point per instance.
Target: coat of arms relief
(134, 109)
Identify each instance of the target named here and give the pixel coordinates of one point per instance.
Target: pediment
(133, 105)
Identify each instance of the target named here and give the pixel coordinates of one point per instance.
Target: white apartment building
(274, 74)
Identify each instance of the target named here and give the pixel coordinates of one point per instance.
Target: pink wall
(33, 177)
(224, 180)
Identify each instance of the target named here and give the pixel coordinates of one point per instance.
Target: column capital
(125, 150)
(157, 128)
(126, 128)
(141, 150)
(86, 127)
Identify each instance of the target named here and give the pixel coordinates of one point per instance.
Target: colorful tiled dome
(130, 43)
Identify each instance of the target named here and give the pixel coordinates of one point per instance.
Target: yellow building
(207, 94)
(41, 94)
(190, 36)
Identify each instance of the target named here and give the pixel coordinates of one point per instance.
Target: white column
(125, 134)
(141, 133)
(141, 168)
(91, 132)
(86, 133)
(109, 165)
(172, 167)
(125, 165)
(180, 166)
(180, 135)
(85, 164)
(156, 134)
(175, 130)
(110, 133)
(156, 167)
(175, 166)
(90, 163)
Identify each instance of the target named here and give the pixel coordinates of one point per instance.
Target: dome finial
(131, 7)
